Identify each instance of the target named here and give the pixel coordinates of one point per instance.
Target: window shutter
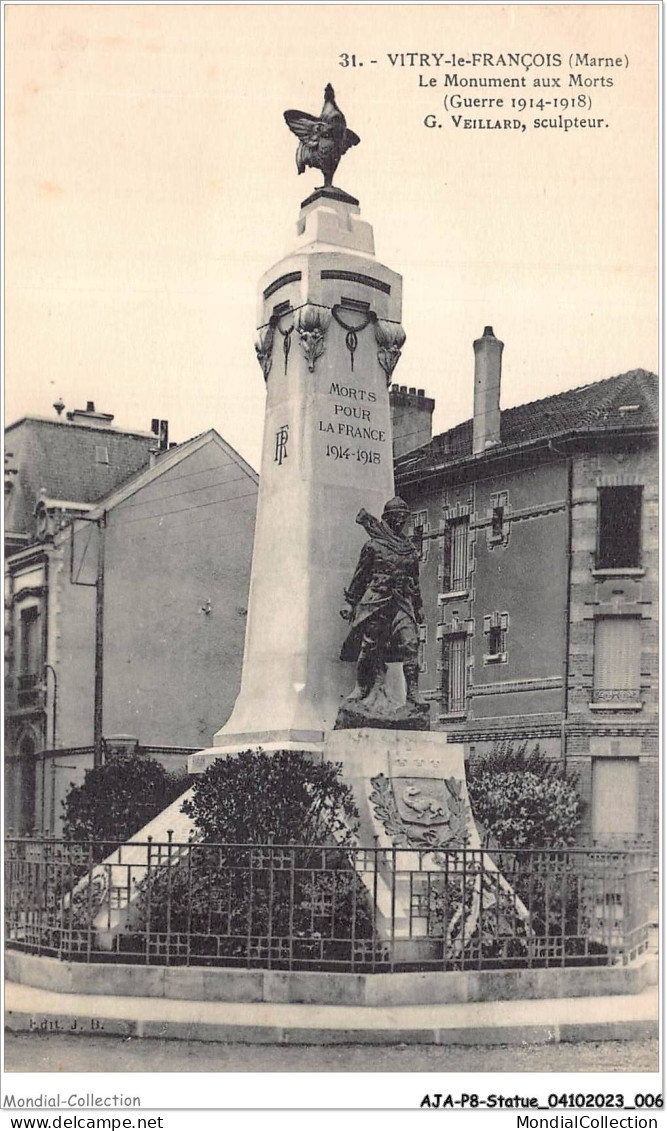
(458, 673)
(615, 798)
(445, 669)
(617, 653)
(456, 574)
(447, 556)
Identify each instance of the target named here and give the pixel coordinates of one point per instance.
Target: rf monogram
(282, 436)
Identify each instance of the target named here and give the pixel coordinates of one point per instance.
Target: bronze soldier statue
(386, 603)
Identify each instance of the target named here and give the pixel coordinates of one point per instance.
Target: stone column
(329, 337)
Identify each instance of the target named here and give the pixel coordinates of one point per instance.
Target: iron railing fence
(304, 907)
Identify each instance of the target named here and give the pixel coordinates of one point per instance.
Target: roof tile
(629, 400)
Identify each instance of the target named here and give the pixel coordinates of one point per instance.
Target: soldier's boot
(411, 673)
(365, 676)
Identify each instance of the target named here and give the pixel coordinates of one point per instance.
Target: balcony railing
(291, 907)
(29, 690)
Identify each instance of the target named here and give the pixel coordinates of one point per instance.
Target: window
(420, 529)
(455, 563)
(495, 630)
(496, 640)
(617, 661)
(619, 527)
(498, 529)
(30, 657)
(614, 798)
(497, 519)
(31, 644)
(101, 453)
(454, 673)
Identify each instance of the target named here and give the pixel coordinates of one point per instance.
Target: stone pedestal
(415, 820)
(329, 336)
(410, 788)
(411, 793)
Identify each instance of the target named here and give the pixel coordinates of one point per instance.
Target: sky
(151, 180)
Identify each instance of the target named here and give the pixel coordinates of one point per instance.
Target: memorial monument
(340, 687)
(328, 341)
(343, 688)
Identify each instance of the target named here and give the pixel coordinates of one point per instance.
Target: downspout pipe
(54, 717)
(569, 463)
(98, 711)
(45, 652)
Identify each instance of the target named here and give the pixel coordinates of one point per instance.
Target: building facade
(538, 529)
(127, 618)
(56, 467)
(538, 534)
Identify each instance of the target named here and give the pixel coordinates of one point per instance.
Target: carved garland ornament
(287, 343)
(390, 337)
(450, 835)
(351, 337)
(312, 323)
(265, 340)
(264, 348)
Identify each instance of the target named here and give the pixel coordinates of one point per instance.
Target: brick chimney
(411, 418)
(486, 413)
(160, 428)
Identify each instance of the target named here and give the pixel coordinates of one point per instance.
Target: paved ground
(31, 1052)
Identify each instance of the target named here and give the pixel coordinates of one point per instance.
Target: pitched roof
(68, 461)
(164, 463)
(628, 401)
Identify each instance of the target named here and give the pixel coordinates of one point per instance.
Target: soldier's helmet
(396, 506)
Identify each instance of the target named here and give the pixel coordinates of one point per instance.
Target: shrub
(231, 900)
(282, 797)
(117, 799)
(524, 800)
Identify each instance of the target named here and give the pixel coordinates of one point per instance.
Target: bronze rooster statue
(323, 140)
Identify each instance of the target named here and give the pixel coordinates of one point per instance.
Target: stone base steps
(547, 1021)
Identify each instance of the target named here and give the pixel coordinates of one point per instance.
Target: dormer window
(101, 453)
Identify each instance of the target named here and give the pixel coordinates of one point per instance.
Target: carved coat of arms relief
(422, 813)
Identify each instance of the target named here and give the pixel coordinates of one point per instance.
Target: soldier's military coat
(384, 595)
